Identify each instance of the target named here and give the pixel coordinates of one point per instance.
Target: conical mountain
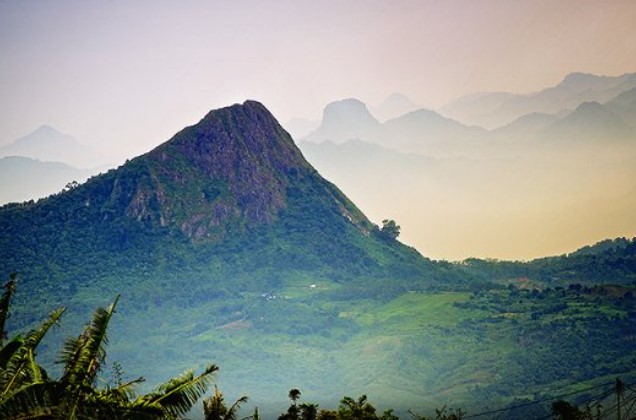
(224, 229)
(227, 204)
(234, 169)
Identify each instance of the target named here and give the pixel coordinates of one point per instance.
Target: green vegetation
(607, 262)
(27, 391)
(504, 347)
(226, 245)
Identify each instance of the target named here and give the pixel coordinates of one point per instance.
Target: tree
(308, 411)
(563, 410)
(293, 412)
(327, 415)
(214, 408)
(441, 415)
(294, 395)
(28, 392)
(390, 230)
(4, 305)
(359, 409)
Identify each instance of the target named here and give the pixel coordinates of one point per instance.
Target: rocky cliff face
(231, 171)
(234, 166)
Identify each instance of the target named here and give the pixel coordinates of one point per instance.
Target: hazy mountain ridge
(492, 110)
(48, 144)
(27, 179)
(542, 166)
(421, 131)
(591, 122)
(393, 106)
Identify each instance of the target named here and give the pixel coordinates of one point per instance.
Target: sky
(124, 76)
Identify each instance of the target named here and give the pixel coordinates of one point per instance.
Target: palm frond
(178, 395)
(109, 404)
(214, 408)
(232, 411)
(83, 356)
(19, 358)
(33, 338)
(8, 352)
(39, 400)
(123, 393)
(4, 305)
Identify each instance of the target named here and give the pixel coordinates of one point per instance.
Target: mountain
(526, 126)
(48, 144)
(478, 108)
(25, 179)
(428, 133)
(223, 233)
(422, 131)
(624, 106)
(227, 246)
(590, 122)
(344, 120)
(234, 174)
(609, 262)
(525, 184)
(393, 106)
(492, 110)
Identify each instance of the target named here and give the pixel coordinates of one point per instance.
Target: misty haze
(300, 210)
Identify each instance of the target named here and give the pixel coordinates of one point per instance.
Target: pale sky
(127, 75)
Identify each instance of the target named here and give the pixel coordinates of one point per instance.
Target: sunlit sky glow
(126, 75)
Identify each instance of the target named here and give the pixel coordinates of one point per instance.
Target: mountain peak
(48, 144)
(233, 167)
(228, 139)
(344, 120)
(47, 129)
(234, 170)
(249, 106)
(337, 111)
(393, 106)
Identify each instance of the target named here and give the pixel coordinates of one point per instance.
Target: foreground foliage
(28, 392)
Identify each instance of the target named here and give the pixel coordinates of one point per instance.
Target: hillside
(224, 227)
(232, 187)
(228, 247)
(610, 262)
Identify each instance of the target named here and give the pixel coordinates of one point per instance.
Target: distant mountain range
(26, 179)
(569, 160)
(522, 175)
(599, 109)
(493, 110)
(43, 162)
(49, 145)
